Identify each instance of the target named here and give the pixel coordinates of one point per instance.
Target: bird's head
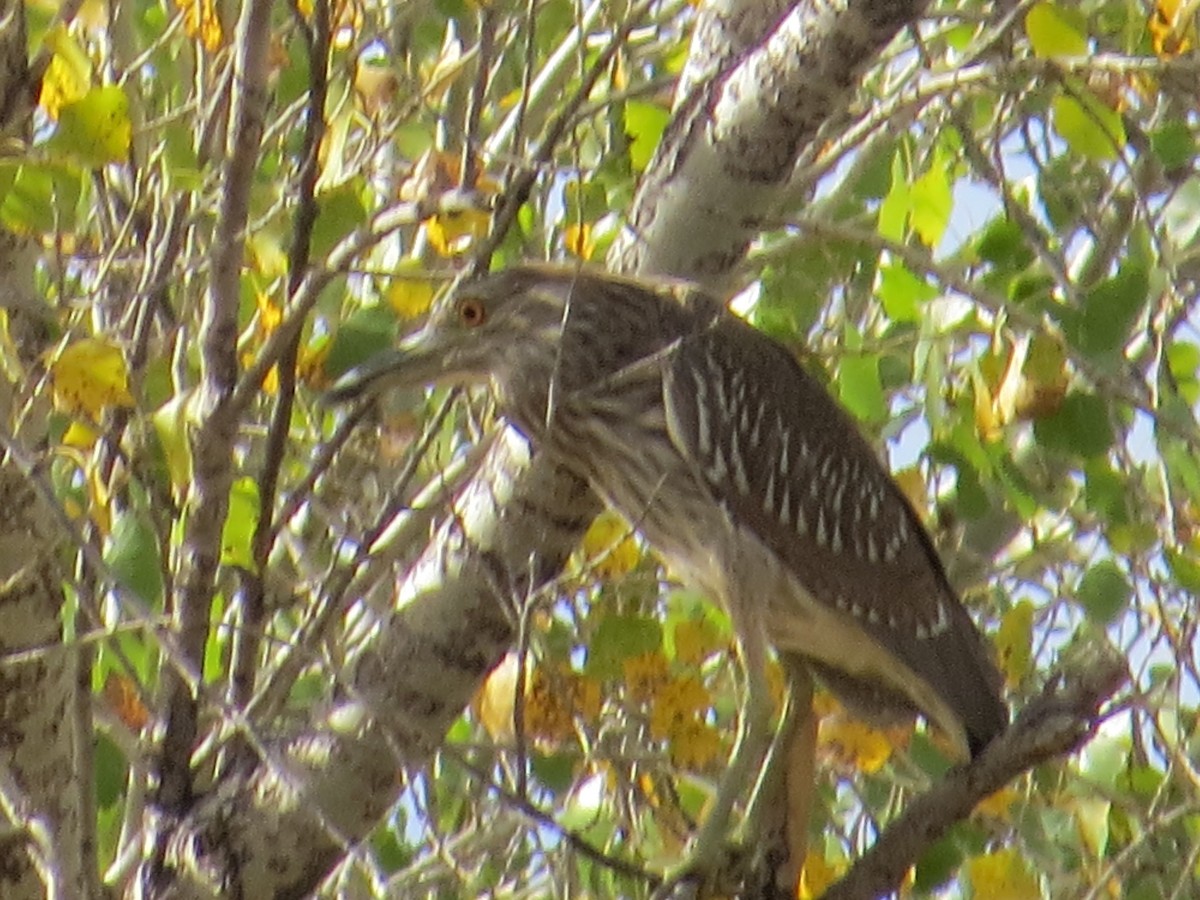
(491, 328)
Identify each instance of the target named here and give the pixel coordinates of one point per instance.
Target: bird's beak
(418, 360)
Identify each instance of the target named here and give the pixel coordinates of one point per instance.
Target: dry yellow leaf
(817, 875)
(496, 699)
(555, 697)
(410, 297)
(1014, 642)
(1172, 28)
(375, 87)
(645, 675)
(79, 435)
(122, 695)
(89, 377)
(998, 805)
(578, 240)
(1002, 875)
(912, 484)
(676, 704)
(695, 745)
(68, 77)
(849, 743)
(453, 233)
(200, 21)
(609, 546)
(696, 640)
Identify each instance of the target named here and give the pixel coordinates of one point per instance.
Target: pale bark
(43, 787)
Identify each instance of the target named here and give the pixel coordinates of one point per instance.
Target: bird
(739, 469)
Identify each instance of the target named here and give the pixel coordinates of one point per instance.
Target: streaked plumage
(737, 467)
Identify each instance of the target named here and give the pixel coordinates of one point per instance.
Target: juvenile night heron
(738, 468)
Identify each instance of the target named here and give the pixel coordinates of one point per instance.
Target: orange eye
(472, 312)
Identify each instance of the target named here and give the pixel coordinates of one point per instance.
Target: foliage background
(991, 258)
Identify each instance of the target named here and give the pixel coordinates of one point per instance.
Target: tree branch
(1058, 722)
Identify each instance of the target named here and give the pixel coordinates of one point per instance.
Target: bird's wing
(792, 468)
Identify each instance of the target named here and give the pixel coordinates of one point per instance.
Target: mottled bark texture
(42, 790)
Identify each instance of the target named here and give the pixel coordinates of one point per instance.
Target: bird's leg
(776, 821)
(754, 733)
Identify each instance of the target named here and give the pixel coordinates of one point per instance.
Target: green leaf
(1183, 362)
(1089, 127)
(1104, 759)
(556, 771)
(617, 638)
(1081, 426)
(240, 523)
(860, 389)
(644, 123)
(1004, 245)
(134, 559)
(1181, 216)
(1105, 492)
(95, 129)
(902, 293)
(368, 331)
(893, 211)
(931, 202)
(937, 865)
(1174, 145)
(341, 211)
(110, 770)
(1185, 568)
(1054, 31)
(1110, 310)
(41, 198)
(1103, 592)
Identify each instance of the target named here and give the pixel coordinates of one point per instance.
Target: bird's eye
(471, 312)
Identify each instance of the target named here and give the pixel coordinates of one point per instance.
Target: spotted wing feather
(788, 464)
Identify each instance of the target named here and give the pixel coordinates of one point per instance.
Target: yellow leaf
(578, 240)
(310, 368)
(170, 424)
(816, 876)
(987, 420)
(696, 640)
(496, 699)
(1045, 380)
(1002, 875)
(410, 297)
(375, 87)
(95, 129)
(89, 377)
(676, 704)
(453, 233)
(854, 744)
(554, 698)
(912, 484)
(695, 745)
(609, 547)
(68, 77)
(267, 255)
(1172, 34)
(200, 21)
(79, 435)
(270, 313)
(1014, 642)
(998, 805)
(645, 674)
